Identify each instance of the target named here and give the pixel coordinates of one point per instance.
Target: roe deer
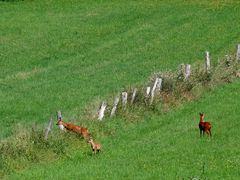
(204, 127)
(74, 128)
(95, 146)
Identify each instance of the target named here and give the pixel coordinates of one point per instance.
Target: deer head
(201, 117)
(201, 114)
(60, 122)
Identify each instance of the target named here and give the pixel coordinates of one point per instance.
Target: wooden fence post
(59, 115)
(134, 95)
(102, 110)
(228, 60)
(187, 71)
(48, 129)
(207, 62)
(156, 88)
(181, 72)
(116, 101)
(124, 99)
(159, 85)
(238, 52)
(148, 91)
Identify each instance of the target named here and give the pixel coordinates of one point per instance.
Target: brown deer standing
(205, 127)
(95, 146)
(71, 127)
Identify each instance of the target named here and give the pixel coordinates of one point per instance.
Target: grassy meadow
(69, 55)
(161, 147)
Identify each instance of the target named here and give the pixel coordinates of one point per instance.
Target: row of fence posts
(156, 88)
(186, 69)
(149, 91)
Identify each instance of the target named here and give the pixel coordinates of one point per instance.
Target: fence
(155, 89)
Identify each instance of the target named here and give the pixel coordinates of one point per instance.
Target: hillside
(65, 55)
(70, 55)
(162, 147)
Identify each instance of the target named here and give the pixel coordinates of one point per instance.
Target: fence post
(207, 62)
(148, 91)
(102, 110)
(159, 85)
(48, 129)
(228, 60)
(156, 88)
(124, 99)
(181, 72)
(116, 101)
(238, 52)
(133, 95)
(187, 71)
(59, 115)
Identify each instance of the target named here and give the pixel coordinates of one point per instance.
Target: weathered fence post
(124, 99)
(238, 52)
(102, 110)
(116, 101)
(48, 129)
(134, 95)
(159, 85)
(181, 72)
(156, 88)
(207, 61)
(228, 60)
(187, 71)
(148, 91)
(59, 115)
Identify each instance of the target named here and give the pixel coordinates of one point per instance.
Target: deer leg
(201, 132)
(207, 131)
(204, 132)
(210, 133)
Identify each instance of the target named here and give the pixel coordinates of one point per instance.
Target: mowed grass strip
(165, 147)
(63, 55)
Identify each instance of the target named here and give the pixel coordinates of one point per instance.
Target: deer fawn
(95, 146)
(205, 127)
(74, 128)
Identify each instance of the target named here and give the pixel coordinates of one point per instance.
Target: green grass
(58, 55)
(161, 147)
(64, 55)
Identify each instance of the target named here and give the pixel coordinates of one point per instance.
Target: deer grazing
(204, 127)
(71, 127)
(95, 146)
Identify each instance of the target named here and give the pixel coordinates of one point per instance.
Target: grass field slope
(61, 55)
(162, 147)
(65, 55)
